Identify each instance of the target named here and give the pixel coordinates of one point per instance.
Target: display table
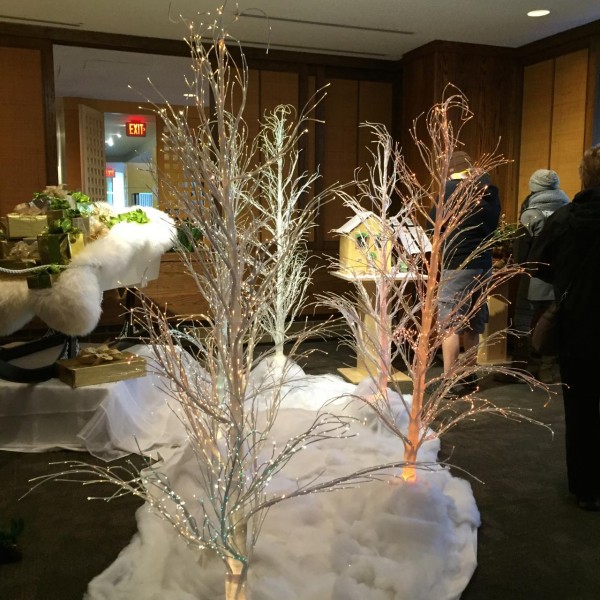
(124, 255)
(48, 415)
(366, 365)
(137, 274)
(108, 420)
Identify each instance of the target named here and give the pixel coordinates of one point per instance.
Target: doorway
(130, 153)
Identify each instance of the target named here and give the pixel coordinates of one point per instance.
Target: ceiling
(377, 29)
(384, 29)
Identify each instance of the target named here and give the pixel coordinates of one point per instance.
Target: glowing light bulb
(409, 475)
(538, 13)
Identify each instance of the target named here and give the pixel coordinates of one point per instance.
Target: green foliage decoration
(133, 216)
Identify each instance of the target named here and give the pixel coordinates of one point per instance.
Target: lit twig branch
(394, 317)
(207, 374)
(287, 221)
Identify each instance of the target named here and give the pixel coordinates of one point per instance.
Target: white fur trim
(15, 311)
(73, 305)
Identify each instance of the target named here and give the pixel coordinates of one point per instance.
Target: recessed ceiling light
(538, 13)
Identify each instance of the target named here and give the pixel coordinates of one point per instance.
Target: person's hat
(543, 179)
(459, 161)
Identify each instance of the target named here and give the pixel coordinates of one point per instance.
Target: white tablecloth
(107, 420)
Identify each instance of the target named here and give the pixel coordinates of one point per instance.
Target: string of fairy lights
(236, 191)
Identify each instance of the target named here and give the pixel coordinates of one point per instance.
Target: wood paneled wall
(555, 119)
(536, 120)
(340, 153)
(345, 144)
(489, 77)
(375, 105)
(22, 126)
(556, 114)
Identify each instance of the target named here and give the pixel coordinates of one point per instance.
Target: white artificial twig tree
(236, 274)
(288, 207)
(392, 314)
(207, 372)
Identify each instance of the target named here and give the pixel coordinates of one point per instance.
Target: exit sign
(135, 129)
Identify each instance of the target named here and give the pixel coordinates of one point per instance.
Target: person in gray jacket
(534, 295)
(545, 198)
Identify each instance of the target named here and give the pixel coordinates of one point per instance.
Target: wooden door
(91, 147)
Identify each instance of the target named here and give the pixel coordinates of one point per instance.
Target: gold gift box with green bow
(100, 365)
(59, 248)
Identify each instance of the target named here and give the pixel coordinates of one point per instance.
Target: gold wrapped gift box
(76, 374)
(20, 226)
(59, 248)
(42, 280)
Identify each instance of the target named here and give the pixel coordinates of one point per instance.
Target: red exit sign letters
(135, 129)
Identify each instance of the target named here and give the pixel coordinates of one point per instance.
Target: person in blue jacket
(464, 267)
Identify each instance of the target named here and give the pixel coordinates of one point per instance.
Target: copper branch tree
(392, 313)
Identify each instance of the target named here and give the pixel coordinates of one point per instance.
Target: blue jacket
(474, 229)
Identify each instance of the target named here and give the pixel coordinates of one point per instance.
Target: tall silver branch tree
(393, 311)
(236, 274)
(207, 374)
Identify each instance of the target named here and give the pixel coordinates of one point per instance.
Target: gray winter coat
(540, 206)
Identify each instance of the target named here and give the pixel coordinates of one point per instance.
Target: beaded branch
(242, 196)
(401, 309)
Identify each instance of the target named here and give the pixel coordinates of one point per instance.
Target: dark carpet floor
(533, 544)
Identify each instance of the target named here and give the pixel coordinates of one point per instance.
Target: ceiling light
(110, 142)
(538, 13)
